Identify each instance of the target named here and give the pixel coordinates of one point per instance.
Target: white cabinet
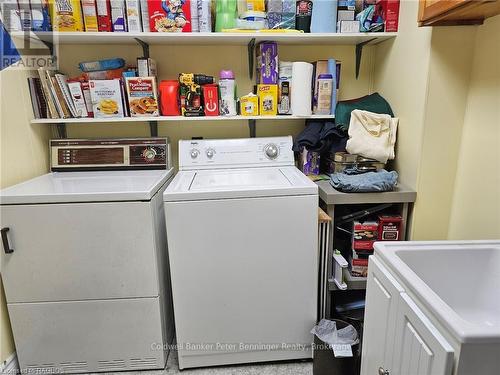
(380, 321)
(419, 347)
(398, 338)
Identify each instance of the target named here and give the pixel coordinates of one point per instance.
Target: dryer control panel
(235, 153)
(95, 154)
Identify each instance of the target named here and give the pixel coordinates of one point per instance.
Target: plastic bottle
(227, 87)
(325, 87)
(225, 15)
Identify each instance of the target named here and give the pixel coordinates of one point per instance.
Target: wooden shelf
(207, 38)
(174, 118)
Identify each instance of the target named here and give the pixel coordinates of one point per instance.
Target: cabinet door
(419, 347)
(79, 251)
(432, 8)
(382, 294)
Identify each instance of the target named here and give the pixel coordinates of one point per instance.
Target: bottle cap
(226, 74)
(325, 76)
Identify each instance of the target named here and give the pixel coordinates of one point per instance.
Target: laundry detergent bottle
(225, 15)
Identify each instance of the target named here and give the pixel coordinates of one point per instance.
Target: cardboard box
(142, 96)
(178, 18)
(118, 15)
(106, 98)
(90, 15)
(146, 67)
(364, 235)
(133, 16)
(390, 14)
(104, 15)
(348, 26)
(268, 99)
(390, 227)
(359, 267)
(66, 15)
(211, 100)
(267, 63)
(249, 105)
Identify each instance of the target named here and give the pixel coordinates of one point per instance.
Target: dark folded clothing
(364, 183)
(321, 136)
(373, 103)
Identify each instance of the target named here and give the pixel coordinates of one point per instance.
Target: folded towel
(372, 135)
(364, 183)
(373, 103)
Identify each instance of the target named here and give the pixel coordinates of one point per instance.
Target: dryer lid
(99, 186)
(238, 183)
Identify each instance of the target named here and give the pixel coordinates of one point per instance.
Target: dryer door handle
(5, 241)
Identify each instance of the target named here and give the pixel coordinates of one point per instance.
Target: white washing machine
(84, 261)
(242, 236)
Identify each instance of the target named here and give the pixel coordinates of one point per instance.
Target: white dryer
(242, 237)
(84, 260)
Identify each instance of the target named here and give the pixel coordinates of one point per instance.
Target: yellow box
(268, 99)
(66, 15)
(249, 105)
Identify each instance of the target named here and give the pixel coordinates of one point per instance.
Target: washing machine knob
(272, 151)
(149, 153)
(210, 153)
(194, 153)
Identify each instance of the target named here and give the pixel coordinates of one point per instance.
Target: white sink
(459, 282)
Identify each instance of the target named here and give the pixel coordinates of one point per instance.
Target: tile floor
(279, 368)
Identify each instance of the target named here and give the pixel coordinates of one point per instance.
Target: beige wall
(475, 212)
(23, 155)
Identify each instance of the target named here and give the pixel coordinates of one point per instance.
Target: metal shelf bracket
(251, 55)
(153, 128)
(252, 128)
(61, 131)
(359, 51)
(145, 47)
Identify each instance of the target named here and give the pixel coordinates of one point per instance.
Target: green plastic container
(225, 15)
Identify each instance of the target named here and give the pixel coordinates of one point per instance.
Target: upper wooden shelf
(207, 38)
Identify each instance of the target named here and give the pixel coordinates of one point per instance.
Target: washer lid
(102, 186)
(238, 183)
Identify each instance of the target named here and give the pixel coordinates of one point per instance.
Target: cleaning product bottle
(225, 15)
(227, 87)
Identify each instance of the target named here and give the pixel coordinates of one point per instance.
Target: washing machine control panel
(235, 153)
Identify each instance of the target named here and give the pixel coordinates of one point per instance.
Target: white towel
(372, 135)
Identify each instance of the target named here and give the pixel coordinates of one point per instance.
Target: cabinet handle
(382, 371)
(5, 241)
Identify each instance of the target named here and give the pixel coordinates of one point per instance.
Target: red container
(169, 98)
(211, 100)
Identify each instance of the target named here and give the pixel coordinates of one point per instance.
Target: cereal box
(142, 97)
(66, 15)
(133, 16)
(169, 15)
(104, 15)
(90, 15)
(268, 99)
(106, 98)
(118, 15)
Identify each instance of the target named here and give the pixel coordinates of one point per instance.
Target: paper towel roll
(301, 88)
(324, 16)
